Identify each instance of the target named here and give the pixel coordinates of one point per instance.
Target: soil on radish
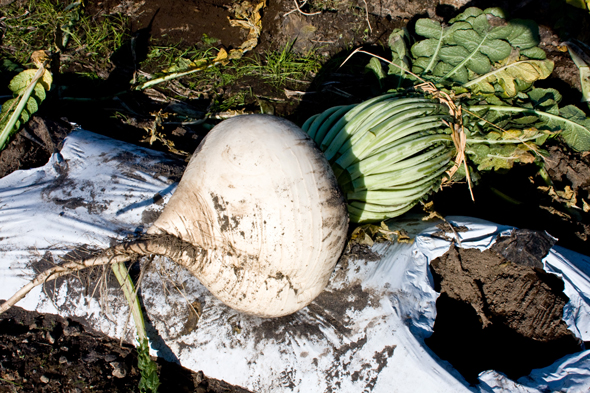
(34, 345)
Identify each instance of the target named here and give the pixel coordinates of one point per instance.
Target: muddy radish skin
(261, 199)
(257, 217)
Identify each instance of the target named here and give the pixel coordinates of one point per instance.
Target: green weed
(280, 68)
(277, 69)
(56, 26)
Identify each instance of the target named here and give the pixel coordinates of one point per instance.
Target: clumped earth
(481, 323)
(47, 353)
(94, 93)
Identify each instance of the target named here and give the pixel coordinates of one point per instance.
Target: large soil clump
(496, 314)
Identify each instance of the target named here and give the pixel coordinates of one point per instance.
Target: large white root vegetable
(258, 218)
(262, 199)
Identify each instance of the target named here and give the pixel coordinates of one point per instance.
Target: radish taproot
(257, 217)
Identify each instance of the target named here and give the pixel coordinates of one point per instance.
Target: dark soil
(47, 353)
(482, 323)
(73, 358)
(33, 145)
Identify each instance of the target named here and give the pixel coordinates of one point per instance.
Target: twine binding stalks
(458, 132)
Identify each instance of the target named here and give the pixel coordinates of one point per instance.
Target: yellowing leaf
(28, 88)
(511, 134)
(526, 70)
(222, 55)
(247, 17)
(20, 82)
(39, 57)
(359, 236)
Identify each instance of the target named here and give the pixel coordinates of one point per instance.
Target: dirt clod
(524, 247)
(496, 314)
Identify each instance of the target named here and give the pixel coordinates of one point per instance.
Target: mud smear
(330, 312)
(495, 314)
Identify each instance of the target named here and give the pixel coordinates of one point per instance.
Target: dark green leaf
(494, 100)
(397, 43)
(428, 28)
(495, 11)
(32, 106)
(420, 64)
(545, 100)
(397, 67)
(443, 69)
(375, 66)
(425, 48)
(24, 116)
(454, 55)
(520, 33)
(479, 63)
(535, 53)
(480, 24)
(526, 120)
(39, 92)
(495, 49)
(468, 13)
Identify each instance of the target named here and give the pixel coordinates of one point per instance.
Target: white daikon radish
(258, 218)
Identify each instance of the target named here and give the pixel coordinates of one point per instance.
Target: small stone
(199, 377)
(119, 369)
(63, 359)
(50, 338)
(44, 379)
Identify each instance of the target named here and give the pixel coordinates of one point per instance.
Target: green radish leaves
(470, 45)
(497, 62)
(498, 157)
(478, 52)
(400, 60)
(29, 88)
(499, 150)
(575, 130)
(539, 112)
(569, 122)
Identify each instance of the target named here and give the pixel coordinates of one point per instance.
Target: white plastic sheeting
(364, 333)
